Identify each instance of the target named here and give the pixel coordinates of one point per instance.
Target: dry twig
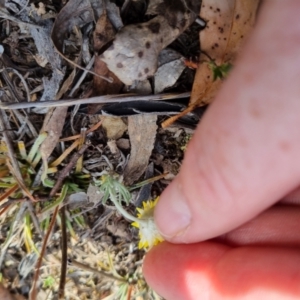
(107, 99)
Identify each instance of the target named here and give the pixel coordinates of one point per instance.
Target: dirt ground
(103, 260)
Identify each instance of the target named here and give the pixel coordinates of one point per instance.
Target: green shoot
(112, 188)
(49, 282)
(219, 71)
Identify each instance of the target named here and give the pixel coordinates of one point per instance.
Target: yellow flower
(148, 232)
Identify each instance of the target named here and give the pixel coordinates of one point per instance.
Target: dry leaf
(93, 194)
(53, 125)
(134, 53)
(142, 133)
(76, 13)
(228, 23)
(46, 53)
(171, 65)
(103, 34)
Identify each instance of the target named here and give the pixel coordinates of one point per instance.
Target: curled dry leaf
(134, 53)
(228, 24)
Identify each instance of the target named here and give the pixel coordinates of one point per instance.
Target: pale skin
(228, 236)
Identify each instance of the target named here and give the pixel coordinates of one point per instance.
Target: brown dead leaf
(53, 125)
(135, 50)
(75, 13)
(228, 24)
(103, 34)
(142, 133)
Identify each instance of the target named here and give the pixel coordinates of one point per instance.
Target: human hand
(243, 158)
(258, 260)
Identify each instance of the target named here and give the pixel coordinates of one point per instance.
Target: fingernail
(172, 213)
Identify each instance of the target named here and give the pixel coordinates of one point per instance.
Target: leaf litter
(52, 158)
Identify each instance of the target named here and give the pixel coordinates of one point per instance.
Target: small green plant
(185, 142)
(219, 71)
(48, 282)
(112, 188)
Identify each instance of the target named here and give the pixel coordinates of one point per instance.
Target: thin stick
(64, 254)
(89, 269)
(33, 291)
(107, 99)
(66, 170)
(77, 136)
(173, 119)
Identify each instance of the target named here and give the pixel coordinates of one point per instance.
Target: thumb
(244, 156)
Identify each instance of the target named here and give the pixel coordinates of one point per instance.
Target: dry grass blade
(89, 269)
(21, 79)
(10, 151)
(59, 160)
(4, 209)
(26, 124)
(147, 181)
(20, 182)
(82, 139)
(74, 137)
(8, 192)
(100, 99)
(67, 169)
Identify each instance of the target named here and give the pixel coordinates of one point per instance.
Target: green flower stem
(122, 210)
